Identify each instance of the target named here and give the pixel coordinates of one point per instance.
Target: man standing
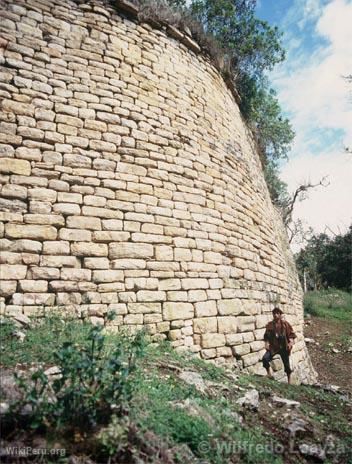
(278, 337)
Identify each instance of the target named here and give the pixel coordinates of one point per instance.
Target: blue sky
(313, 94)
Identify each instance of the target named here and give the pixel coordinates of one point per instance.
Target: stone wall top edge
(132, 10)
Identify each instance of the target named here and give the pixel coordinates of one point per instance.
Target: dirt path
(332, 368)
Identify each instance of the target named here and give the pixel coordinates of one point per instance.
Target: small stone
(250, 399)
(285, 402)
(193, 378)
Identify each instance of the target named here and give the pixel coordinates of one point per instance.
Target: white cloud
(312, 90)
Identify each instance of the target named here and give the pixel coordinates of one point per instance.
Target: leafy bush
(50, 332)
(93, 383)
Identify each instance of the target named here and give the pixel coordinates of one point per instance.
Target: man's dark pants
(267, 358)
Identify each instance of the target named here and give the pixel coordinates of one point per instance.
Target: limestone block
(37, 232)
(234, 339)
(97, 310)
(209, 353)
(96, 263)
(150, 295)
(164, 253)
(227, 324)
(257, 345)
(133, 319)
(110, 236)
(18, 108)
(7, 287)
(250, 359)
(197, 295)
(133, 264)
(229, 307)
(80, 222)
(47, 219)
(130, 250)
(177, 296)
(182, 254)
(72, 298)
(170, 284)
(14, 191)
(161, 326)
(107, 276)
(248, 337)
(13, 272)
(56, 248)
(205, 324)
(44, 273)
(246, 323)
(259, 334)
(111, 287)
(112, 224)
(75, 235)
(42, 194)
(101, 212)
(118, 308)
(109, 297)
(206, 308)
(212, 258)
(141, 283)
(213, 340)
(188, 284)
(240, 350)
(59, 261)
(65, 197)
(33, 286)
(144, 308)
(89, 249)
(76, 274)
(175, 334)
(127, 297)
(47, 299)
(175, 310)
(223, 351)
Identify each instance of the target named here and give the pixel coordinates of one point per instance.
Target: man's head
(277, 314)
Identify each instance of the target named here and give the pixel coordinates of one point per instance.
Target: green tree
(326, 262)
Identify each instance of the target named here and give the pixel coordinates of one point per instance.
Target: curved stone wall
(129, 183)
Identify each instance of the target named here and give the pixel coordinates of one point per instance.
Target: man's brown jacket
(282, 328)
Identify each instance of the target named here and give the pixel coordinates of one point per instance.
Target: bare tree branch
(296, 196)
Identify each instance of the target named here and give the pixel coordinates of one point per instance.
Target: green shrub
(49, 332)
(95, 381)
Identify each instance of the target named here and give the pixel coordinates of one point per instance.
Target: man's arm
(266, 339)
(290, 335)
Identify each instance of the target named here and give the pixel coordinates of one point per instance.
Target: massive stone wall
(129, 183)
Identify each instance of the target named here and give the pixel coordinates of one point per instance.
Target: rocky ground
(330, 347)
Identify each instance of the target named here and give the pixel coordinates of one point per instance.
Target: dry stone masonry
(129, 182)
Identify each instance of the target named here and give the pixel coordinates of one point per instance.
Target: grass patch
(157, 412)
(42, 340)
(329, 304)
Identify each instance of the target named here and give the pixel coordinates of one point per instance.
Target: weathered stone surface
(213, 340)
(89, 249)
(205, 324)
(130, 250)
(173, 311)
(11, 272)
(120, 186)
(30, 231)
(15, 166)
